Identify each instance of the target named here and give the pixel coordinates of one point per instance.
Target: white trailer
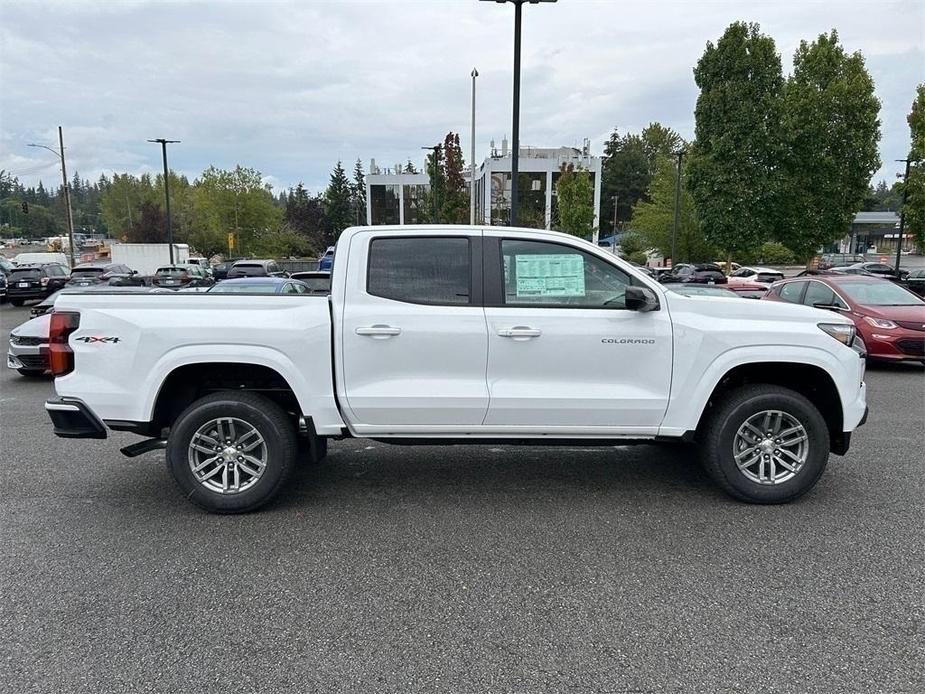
(148, 257)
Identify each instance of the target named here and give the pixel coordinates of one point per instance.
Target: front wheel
(231, 452)
(765, 444)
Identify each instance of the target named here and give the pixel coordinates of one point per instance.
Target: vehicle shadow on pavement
(400, 472)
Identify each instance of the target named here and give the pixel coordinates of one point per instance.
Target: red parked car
(889, 318)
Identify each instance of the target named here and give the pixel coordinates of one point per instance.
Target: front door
(564, 354)
(414, 338)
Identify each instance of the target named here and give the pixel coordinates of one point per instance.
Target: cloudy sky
(290, 88)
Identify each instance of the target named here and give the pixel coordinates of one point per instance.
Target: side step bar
(141, 447)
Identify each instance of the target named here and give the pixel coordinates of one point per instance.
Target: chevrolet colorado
(451, 335)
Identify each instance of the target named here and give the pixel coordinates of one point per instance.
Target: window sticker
(550, 275)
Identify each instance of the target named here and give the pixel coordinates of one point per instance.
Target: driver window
(537, 273)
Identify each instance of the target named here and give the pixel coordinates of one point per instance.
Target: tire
(31, 373)
(17, 302)
(721, 439)
(275, 443)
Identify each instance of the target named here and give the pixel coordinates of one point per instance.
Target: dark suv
(256, 268)
(35, 282)
(698, 273)
(88, 274)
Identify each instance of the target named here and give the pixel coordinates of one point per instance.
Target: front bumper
(72, 419)
(32, 357)
(899, 344)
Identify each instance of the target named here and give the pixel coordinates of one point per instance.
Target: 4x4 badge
(87, 339)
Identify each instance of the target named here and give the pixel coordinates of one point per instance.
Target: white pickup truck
(453, 335)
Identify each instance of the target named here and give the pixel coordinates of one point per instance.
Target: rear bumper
(72, 419)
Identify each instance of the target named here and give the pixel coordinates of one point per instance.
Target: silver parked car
(28, 351)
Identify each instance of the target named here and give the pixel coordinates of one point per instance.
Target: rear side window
(424, 270)
(818, 293)
(791, 291)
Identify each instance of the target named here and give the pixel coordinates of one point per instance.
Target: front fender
(691, 391)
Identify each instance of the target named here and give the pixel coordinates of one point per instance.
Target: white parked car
(755, 275)
(457, 334)
(28, 350)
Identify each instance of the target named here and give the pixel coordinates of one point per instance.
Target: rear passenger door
(413, 334)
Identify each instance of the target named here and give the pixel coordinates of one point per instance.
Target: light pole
(677, 207)
(475, 73)
(902, 214)
(164, 144)
(613, 235)
(433, 178)
(515, 129)
(67, 195)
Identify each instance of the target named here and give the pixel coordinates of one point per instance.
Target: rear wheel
(765, 444)
(231, 452)
(16, 302)
(31, 373)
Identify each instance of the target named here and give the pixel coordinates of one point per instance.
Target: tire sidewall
(805, 413)
(279, 455)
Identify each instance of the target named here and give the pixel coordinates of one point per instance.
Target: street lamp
(67, 195)
(164, 144)
(677, 207)
(515, 129)
(475, 73)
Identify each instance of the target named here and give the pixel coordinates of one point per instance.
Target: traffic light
(25, 207)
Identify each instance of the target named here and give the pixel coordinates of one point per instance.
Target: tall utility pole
(515, 129)
(677, 207)
(164, 144)
(616, 202)
(475, 73)
(69, 216)
(902, 214)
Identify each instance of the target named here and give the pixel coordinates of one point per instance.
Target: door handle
(378, 331)
(520, 331)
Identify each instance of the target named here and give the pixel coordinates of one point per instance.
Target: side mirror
(134, 272)
(640, 299)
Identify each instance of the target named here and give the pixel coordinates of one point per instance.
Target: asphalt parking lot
(477, 569)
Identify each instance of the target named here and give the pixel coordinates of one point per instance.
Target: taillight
(60, 354)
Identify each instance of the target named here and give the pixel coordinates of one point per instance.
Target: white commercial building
(395, 197)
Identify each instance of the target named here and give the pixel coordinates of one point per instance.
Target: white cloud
(290, 88)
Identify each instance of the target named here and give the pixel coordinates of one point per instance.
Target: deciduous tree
(831, 129)
(735, 165)
(575, 194)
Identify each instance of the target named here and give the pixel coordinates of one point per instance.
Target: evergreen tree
(338, 204)
(359, 193)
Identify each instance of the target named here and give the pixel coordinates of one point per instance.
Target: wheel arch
(189, 381)
(812, 381)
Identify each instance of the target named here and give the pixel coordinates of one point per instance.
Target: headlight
(880, 323)
(840, 331)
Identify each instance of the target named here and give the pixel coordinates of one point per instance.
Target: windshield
(170, 272)
(879, 293)
(244, 288)
(690, 290)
